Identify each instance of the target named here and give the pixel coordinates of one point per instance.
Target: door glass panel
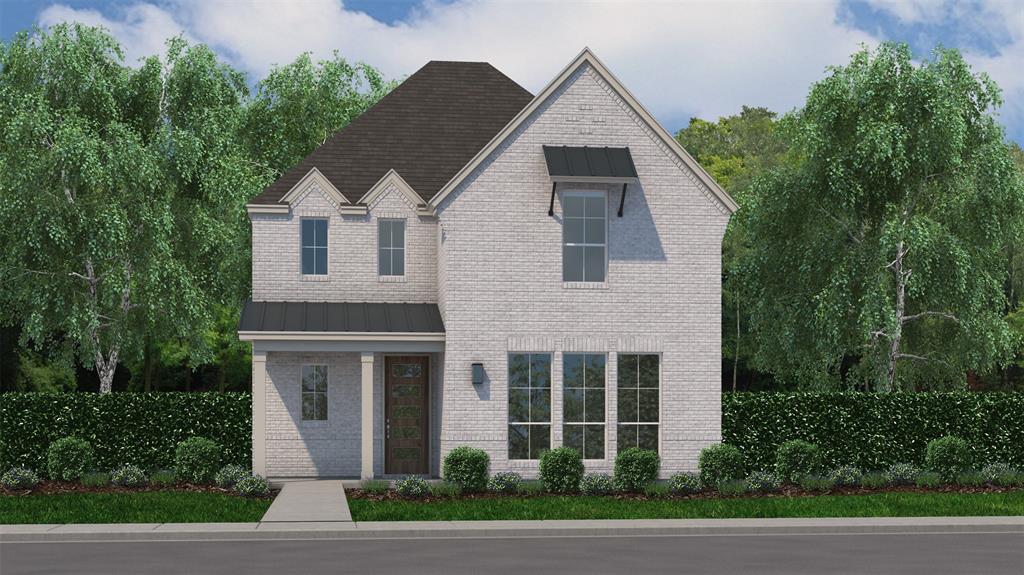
(405, 432)
(405, 391)
(406, 370)
(405, 453)
(412, 411)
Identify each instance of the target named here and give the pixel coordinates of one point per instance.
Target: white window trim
(393, 278)
(607, 402)
(327, 395)
(577, 284)
(551, 417)
(661, 402)
(327, 248)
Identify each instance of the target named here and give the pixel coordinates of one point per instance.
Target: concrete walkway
(319, 501)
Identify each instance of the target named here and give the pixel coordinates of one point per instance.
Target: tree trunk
(895, 338)
(736, 351)
(105, 368)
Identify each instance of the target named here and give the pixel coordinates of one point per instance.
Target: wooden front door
(406, 408)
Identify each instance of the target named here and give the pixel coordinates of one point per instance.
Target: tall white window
(639, 391)
(583, 403)
(314, 246)
(529, 405)
(391, 247)
(584, 236)
(314, 392)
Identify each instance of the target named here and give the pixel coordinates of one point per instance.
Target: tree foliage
(884, 241)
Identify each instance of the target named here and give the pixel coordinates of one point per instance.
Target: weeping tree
(879, 253)
(122, 193)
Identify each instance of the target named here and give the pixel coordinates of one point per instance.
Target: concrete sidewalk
(503, 529)
(318, 501)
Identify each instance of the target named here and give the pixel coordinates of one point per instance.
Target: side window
(583, 403)
(639, 385)
(314, 393)
(391, 247)
(584, 236)
(314, 247)
(529, 405)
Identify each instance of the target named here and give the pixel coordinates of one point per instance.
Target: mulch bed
(56, 487)
(785, 491)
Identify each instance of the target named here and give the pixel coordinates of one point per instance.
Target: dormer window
(314, 246)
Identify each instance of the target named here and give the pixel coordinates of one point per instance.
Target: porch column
(259, 412)
(366, 417)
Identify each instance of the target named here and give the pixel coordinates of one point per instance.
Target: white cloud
(141, 28)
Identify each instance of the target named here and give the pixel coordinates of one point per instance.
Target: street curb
(504, 529)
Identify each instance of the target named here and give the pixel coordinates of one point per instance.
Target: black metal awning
(585, 164)
(340, 317)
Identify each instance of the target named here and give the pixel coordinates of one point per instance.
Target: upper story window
(391, 247)
(314, 246)
(314, 393)
(584, 236)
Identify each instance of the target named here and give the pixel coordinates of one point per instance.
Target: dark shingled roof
(301, 316)
(589, 162)
(426, 129)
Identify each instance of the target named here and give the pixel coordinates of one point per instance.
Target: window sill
(585, 285)
(315, 278)
(316, 422)
(391, 279)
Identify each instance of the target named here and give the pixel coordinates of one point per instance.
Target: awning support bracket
(551, 207)
(622, 200)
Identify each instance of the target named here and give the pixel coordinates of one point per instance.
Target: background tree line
(877, 246)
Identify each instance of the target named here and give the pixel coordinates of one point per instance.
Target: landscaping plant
(163, 477)
(901, 474)
(68, 458)
(812, 482)
(95, 479)
(684, 484)
(655, 490)
(845, 476)
(374, 486)
(970, 478)
(466, 467)
(504, 482)
(929, 479)
(948, 456)
(229, 475)
(129, 476)
(445, 489)
(635, 468)
(561, 469)
(796, 458)
(531, 487)
(763, 482)
(597, 484)
(19, 478)
(412, 487)
(999, 474)
(732, 487)
(719, 463)
(253, 486)
(197, 459)
(874, 480)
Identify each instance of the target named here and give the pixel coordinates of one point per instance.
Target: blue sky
(680, 59)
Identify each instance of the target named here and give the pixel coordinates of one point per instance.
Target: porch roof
(302, 317)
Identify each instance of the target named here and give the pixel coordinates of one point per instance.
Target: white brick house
(467, 264)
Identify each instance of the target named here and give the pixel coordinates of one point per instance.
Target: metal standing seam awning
(586, 164)
(340, 320)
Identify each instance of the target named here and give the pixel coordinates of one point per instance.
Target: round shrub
(504, 482)
(253, 486)
(129, 476)
(845, 476)
(412, 487)
(229, 475)
(19, 478)
(684, 484)
(720, 462)
(1000, 474)
(901, 474)
(763, 481)
(197, 459)
(796, 458)
(597, 484)
(948, 456)
(466, 467)
(635, 468)
(561, 469)
(68, 458)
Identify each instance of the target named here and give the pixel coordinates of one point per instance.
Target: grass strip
(142, 507)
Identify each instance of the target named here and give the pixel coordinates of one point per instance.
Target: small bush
(561, 469)
(375, 486)
(635, 468)
(504, 482)
(445, 489)
(763, 482)
(732, 487)
(901, 474)
(129, 476)
(719, 463)
(815, 483)
(163, 477)
(597, 484)
(999, 474)
(948, 456)
(197, 459)
(19, 478)
(874, 480)
(970, 478)
(684, 484)
(845, 476)
(532, 487)
(929, 479)
(253, 486)
(68, 458)
(656, 490)
(229, 475)
(95, 479)
(467, 467)
(796, 458)
(412, 487)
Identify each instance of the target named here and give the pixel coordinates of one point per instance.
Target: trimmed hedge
(141, 429)
(872, 431)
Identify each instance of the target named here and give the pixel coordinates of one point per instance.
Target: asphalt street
(931, 554)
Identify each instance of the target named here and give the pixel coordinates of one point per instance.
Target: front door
(406, 407)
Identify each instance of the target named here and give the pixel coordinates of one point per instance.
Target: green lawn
(140, 507)
(565, 507)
